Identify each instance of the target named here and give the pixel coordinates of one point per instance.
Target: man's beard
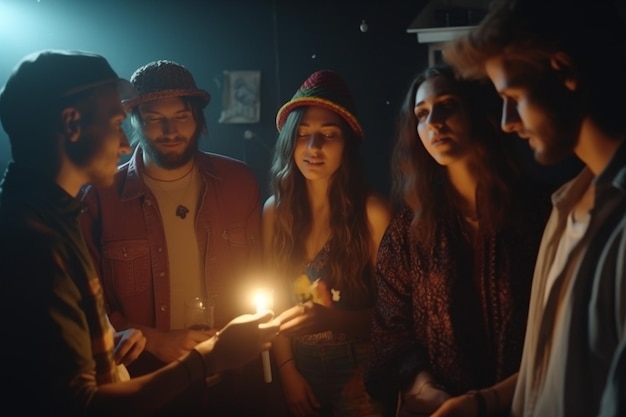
(560, 135)
(169, 160)
(560, 139)
(557, 150)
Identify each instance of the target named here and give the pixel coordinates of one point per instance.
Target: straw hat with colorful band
(326, 89)
(164, 79)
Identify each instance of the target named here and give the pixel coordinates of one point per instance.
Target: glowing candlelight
(264, 300)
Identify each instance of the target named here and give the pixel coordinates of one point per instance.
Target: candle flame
(263, 300)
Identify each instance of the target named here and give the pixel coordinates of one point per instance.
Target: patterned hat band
(164, 79)
(320, 102)
(159, 95)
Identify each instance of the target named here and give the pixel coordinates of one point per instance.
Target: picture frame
(241, 102)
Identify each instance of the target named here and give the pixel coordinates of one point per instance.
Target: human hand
(423, 404)
(302, 319)
(128, 346)
(423, 397)
(461, 406)
(171, 345)
(239, 342)
(299, 395)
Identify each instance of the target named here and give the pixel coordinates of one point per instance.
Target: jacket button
(163, 307)
(161, 274)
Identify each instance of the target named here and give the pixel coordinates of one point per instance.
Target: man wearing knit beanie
(178, 232)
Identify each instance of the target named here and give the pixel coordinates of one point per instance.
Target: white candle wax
(263, 301)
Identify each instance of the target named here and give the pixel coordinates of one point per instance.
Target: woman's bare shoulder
(379, 214)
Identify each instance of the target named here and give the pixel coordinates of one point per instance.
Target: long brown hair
(349, 252)
(419, 182)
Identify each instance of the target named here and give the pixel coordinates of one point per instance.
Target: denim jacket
(123, 229)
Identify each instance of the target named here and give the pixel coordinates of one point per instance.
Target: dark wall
(284, 39)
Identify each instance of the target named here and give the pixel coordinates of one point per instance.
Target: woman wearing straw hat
(321, 228)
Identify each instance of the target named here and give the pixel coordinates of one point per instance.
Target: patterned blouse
(457, 309)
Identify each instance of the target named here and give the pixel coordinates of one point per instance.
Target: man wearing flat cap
(179, 225)
(63, 113)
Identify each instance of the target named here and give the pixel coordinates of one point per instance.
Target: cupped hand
(128, 346)
(424, 401)
(305, 318)
(240, 341)
(461, 406)
(171, 345)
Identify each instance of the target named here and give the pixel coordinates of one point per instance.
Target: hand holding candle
(263, 299)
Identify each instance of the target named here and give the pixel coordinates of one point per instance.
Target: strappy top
(312, 285)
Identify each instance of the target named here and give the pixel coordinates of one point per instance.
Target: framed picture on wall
(241, 102)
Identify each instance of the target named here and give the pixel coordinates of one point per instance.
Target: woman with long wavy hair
(322, 226)
(455, 265)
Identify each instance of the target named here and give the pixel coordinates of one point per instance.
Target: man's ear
(71, 123)
(562, 64)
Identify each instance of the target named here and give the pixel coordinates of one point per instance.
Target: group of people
(473, 290)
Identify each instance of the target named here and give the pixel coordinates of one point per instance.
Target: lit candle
(263, 300)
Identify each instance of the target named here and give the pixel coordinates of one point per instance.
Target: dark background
(286, 40)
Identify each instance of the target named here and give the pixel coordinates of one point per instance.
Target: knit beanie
(164, 79)
(324, 88)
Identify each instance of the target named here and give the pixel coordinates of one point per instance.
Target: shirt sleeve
(613, 403)
(53, 348)
(91, 227)
(396, 357)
